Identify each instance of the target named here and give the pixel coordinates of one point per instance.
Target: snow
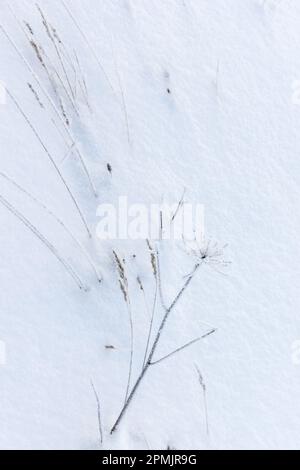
(228, 132)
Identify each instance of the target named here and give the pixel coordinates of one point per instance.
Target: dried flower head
(55, 34)
(44, 21)
(28, 27)
(38, 51)
(122, 276)
(35, 95)
(140, 283)
(152, 259)
(120, 266)
(210, 253)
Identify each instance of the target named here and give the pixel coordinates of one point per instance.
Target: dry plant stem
(159, 281)
(88, 44)
(52, 162)
(53, 105)
(203, 387)
(206, 412)
(44, 240)
(185, 346)
(61, 134)
(154, 346)
(155, 268)
(58, 54)
(82, 84)
(178, 206)
(151, 322)
(38, 53)
(123, 282)
(131, 349)
(58, 220)
(161, 227)
(66, 55)
(93, 189)
(124, 108)
(122, 94)
(67, 154)
(70, 98)
(98, 413)
(61, 82)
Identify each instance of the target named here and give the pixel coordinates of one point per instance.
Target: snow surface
(229, 133)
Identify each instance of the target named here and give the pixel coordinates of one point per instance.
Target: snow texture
(195, 94)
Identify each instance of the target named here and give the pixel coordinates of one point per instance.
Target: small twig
(203, 386)
(179, 206)
(190, 343)
(98, 413)
(161, 227)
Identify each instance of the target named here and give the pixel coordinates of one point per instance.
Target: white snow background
(229, 132)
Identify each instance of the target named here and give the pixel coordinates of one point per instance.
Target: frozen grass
(204, 255)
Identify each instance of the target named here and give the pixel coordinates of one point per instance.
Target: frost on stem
(155, 274)
(53, 105)
(58, 220)
(98, 413)
(89, 45)
(154, 347)
(44, 240)
(209, 253)
(123, 283)
(205, 254)
(51, 160)
(203, 387)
